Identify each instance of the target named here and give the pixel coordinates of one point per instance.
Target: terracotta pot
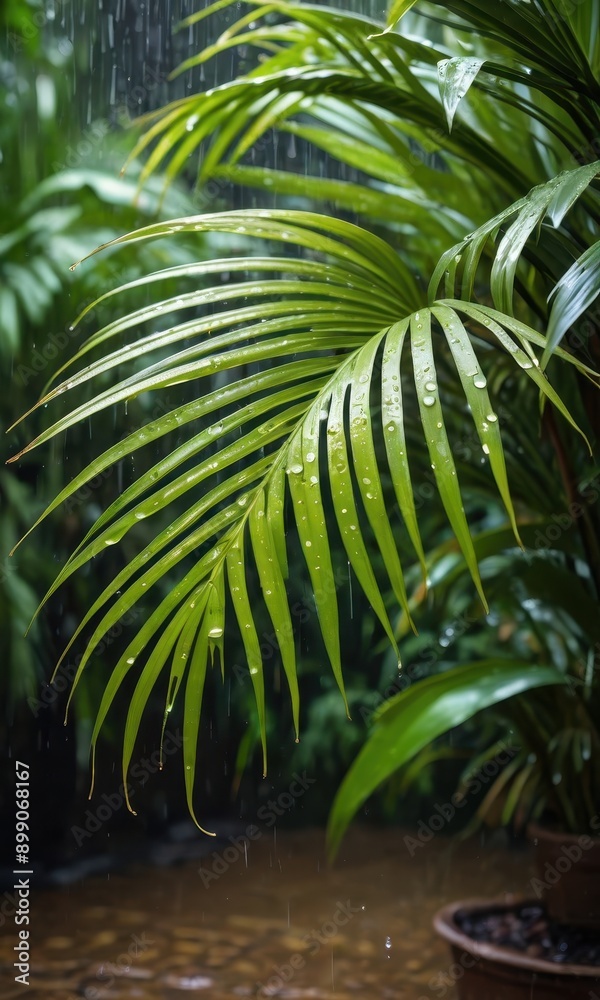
(483, 971)
(568, 875)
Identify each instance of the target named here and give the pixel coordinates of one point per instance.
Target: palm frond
(540, 33)
(577, 289)
(370, 79)
(550, 201)
(348, 329)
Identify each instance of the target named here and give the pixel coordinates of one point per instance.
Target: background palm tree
(342, 363)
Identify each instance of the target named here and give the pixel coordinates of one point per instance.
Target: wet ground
(264, 918)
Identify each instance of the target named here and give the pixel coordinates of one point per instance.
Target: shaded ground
(267, 918)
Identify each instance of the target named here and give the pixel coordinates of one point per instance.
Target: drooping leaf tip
(209, 833)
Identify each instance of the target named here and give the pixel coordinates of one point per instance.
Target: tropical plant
(340, 353)
(52, 201)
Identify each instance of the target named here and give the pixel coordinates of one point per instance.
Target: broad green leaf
(414, 718)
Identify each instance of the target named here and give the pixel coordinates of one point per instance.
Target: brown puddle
(277, 922)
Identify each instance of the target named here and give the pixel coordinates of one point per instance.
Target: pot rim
(446, 927)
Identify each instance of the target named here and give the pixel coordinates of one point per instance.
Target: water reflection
(282, 925)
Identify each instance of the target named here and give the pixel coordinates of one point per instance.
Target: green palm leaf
(368, 76)
(549, 201)
(577, 289)
(321, 377)
(341, 402)
(455, 76)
